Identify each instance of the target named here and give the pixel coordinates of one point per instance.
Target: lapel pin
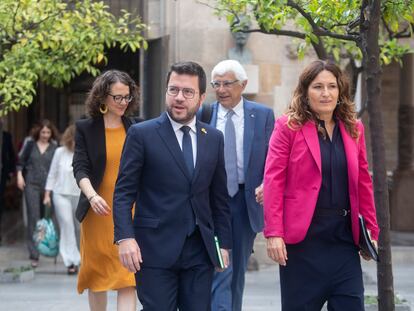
(252, 115)
(203, 130)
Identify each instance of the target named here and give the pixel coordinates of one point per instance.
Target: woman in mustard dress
(98, 146)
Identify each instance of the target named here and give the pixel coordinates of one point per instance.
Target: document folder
(365, 243)
(220, 258)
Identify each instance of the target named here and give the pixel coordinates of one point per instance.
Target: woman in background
(316, 184)
(32, 170)
(98, 145)
(66, 192)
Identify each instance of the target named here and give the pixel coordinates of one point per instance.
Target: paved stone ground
(52, 289)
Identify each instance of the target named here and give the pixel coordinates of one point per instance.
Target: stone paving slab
(52, 289)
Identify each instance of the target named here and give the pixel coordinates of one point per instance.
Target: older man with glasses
(247, 127)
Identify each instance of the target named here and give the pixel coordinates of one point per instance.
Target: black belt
(332, 212)
(241, 186)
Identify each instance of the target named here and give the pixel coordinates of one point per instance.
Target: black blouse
(334, 191)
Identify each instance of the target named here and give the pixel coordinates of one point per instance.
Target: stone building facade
(192, 32)
(188, 30)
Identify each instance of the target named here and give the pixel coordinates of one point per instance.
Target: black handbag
(365, 243)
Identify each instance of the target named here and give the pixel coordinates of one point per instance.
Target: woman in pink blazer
(316, 184)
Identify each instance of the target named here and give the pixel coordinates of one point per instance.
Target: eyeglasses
(226, 84)
(188, 93)
(118, 98)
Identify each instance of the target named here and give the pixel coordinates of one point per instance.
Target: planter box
(398, 307)
(400, 304)
(404, 306)
(16, 275)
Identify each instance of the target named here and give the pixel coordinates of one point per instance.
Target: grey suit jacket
(258, 126)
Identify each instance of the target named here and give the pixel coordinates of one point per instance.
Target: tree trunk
(370, 49)
(320, 49)
(1, 152)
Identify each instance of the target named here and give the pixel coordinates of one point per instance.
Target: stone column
(402, 194)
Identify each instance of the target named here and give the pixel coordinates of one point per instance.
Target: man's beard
(182, 119)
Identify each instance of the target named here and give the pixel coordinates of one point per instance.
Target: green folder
(220, 258)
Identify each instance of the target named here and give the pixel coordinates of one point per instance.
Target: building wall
(197, 34)
(389, 103)
(115, 6)
(205, 38)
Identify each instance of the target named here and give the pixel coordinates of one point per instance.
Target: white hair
(229, 65)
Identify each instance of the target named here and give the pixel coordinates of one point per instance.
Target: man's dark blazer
(154, 175)
(259, 121)
(89, 159)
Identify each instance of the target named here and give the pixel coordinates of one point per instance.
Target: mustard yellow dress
(100, 268)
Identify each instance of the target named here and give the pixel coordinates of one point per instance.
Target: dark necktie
(188, 149)
(230, 155)
(189, 161)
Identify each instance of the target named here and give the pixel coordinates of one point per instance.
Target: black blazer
(89, 159)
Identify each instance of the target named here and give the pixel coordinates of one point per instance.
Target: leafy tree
(365, 30)
(55, 40)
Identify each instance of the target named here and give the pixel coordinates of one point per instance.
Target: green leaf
(55, 43)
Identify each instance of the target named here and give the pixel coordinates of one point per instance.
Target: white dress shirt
(238, 120)
(60, 178)
(179, 134)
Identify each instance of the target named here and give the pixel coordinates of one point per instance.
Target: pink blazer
(293, 178)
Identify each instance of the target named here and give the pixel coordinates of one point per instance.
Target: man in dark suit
(247, 127)
(172, 167)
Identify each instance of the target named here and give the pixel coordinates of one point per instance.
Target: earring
(103, 108)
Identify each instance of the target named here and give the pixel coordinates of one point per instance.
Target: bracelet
(92, 196)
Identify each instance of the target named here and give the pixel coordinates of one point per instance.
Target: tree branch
(326, 33)
(317, 30)
(317, 46)
(32, 25)
(389, 31)
(215, 8)
(302, 12)
(29, 26)
(14, 16)
(405, 33)
(278, 32)
(339, 25)
(320, 50)
(355, 23)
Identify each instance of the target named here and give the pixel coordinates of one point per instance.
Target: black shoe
(72, 270)
(34, 263)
